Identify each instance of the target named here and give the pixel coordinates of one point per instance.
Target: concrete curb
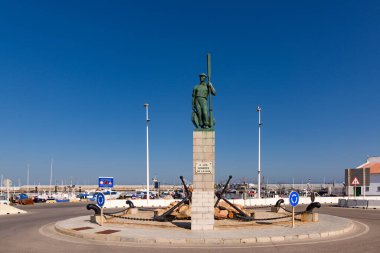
(202, 239)
(9, 210)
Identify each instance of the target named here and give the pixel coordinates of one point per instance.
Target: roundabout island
(139, 228)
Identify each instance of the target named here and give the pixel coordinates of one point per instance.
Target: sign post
(100, 200)
(294, 198)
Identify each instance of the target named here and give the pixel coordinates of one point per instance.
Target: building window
(367, 188)
(378, 188)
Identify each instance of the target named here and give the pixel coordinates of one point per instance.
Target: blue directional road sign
(100, 199)
(105, 182)
(294, 198)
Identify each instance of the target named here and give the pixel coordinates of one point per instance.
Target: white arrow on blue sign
(294, 198)
(100, 199)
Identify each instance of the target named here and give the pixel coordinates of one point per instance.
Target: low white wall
(303, 200)
(272, 201)
(119, 203)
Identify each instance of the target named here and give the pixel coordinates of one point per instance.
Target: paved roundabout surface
(237, 233)
(35, 232)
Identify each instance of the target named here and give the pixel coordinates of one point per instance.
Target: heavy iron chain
(273, 218)
(302, 212)
(126, 218)
(259, 207)
(151, 219)
(129, 218)
(117, 211)
(238, 217)
(262, 219)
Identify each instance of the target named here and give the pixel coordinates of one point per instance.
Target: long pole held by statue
(146, 105)
(259, 156)
(211, 118)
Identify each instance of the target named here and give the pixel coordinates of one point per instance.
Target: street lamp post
(146, 105)
(258, 109)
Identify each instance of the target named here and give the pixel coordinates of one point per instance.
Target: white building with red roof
(364, 180)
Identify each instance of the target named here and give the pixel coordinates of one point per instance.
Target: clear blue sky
(74, 76)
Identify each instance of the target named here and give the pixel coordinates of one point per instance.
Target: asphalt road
(32, 233)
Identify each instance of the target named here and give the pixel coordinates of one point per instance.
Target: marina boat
(62, 200)
(39, 199)
(50, 199)
(22, 199)
(63, 197)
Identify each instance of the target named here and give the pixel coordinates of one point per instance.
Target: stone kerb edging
(217, 237)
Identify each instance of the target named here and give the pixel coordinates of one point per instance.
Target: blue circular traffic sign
(100, 199)
(294, 198)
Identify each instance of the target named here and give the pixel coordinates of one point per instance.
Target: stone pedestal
(309, 217)
(202, 206)
(97, 219)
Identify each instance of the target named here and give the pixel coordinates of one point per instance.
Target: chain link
(117, 212)
(238, 217)
(129, 218)
(259, 207)
(262, 219)
(302, 212)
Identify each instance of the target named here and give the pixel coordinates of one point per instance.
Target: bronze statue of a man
(201, 117)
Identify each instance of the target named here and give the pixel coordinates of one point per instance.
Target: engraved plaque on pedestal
(203, 167)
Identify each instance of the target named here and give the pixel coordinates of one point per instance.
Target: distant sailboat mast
(51, 175)
(1, 183)
(27, 181)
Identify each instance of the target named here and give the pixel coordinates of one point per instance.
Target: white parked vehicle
(111, 194)
(3, 200)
